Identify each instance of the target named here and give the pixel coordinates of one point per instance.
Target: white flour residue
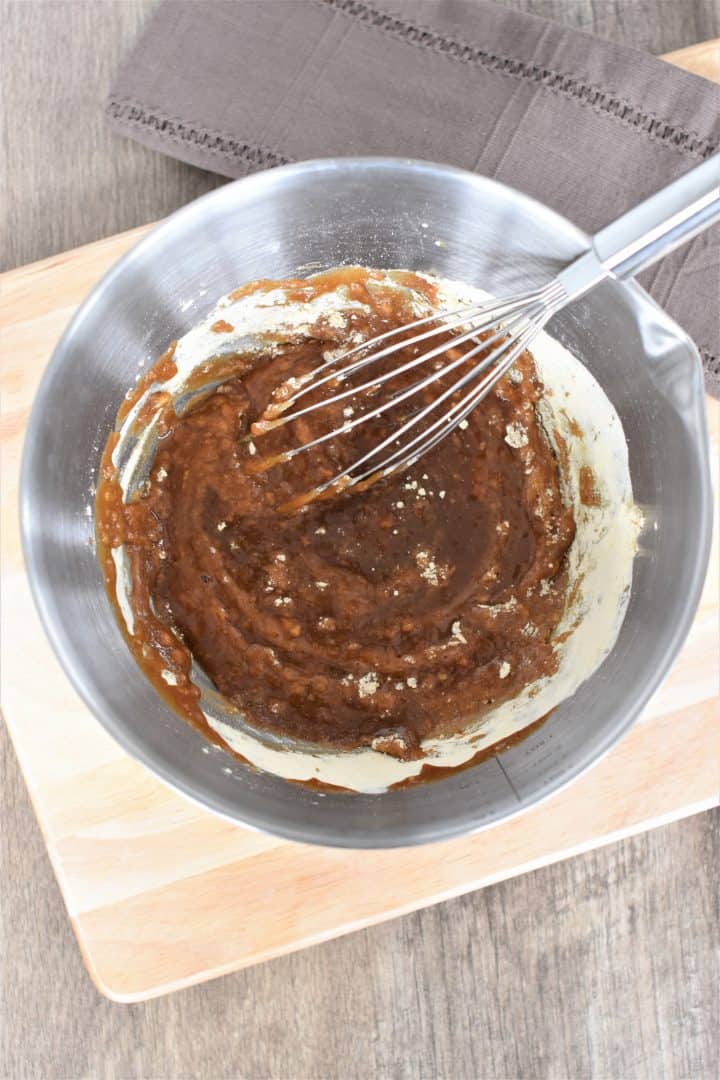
(123, 587)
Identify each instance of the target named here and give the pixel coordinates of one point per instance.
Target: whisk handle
(661, 223)
(650, 230)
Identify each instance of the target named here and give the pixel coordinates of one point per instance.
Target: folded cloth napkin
(587, 127)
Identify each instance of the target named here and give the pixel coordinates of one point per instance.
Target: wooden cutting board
(163, 894)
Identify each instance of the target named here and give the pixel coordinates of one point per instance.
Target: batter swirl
(377, 618)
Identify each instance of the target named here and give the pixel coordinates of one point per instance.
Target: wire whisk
(494, 335)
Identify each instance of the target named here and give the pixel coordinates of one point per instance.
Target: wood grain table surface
(605, 965)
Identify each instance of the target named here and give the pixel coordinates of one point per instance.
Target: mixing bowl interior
(387, 213)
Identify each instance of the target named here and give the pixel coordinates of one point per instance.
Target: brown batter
(381, 616)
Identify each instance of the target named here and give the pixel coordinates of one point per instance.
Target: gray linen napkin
(585, 126)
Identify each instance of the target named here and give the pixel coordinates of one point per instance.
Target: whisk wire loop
(498, 331)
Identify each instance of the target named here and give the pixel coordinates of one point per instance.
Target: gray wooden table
(602, 966)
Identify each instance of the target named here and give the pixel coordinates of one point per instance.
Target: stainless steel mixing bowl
(385, 213)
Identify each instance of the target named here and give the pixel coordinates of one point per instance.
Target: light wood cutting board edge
(702, 59)
(241, 897)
